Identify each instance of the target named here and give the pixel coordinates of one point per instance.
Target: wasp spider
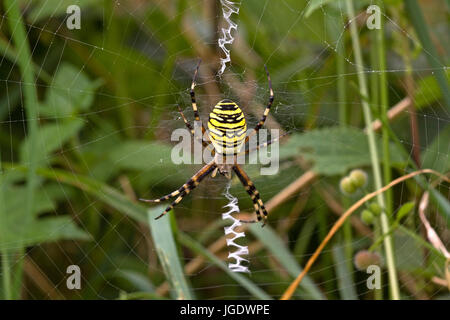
(227, 133)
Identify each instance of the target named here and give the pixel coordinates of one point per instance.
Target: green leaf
(163, 239)
(53, 229)
(138, 280)
(102, 191)
(52, 137)
(436, 155)
(408, 254)
(16, 233)
(336, 5)
(118, 201)
(71, 91)
(313, 5)
(152, 160)
(277, 248)
(243, 281)
(417, 18)
(428, 91)
(333, 150)
(404, 210)
(344, 276)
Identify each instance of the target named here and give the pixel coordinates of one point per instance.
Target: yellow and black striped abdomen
(227, 127)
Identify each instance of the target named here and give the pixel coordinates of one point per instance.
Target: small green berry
(347, 186)
(367, 216)
(375, 208)
(358, 177)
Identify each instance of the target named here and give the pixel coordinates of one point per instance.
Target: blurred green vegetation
(85, 123)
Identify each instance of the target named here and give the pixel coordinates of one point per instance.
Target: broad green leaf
(52, 137)
(336, 5)
(333, 150)
(408, 255)
(436, 156)
(138, 280)
(18, 230)
(53, 229)
(278, 249)
(313, 5)
(243, 281)
(102, 191)
(427, 91)
(405, 209)
(163, 239)
(118, 201)
(71, 91)
(152, 160)
(346, 284)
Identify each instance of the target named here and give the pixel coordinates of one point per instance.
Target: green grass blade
(23, 59)
(416, 16)
(136, 211)
(163, 239)
(10, 53)
(345, 281)
(276, 247)
(4, 254)
(199, 249)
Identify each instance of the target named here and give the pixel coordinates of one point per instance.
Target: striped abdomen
(227, 127)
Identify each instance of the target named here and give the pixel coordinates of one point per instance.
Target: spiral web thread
(241, 250)
(228, 8)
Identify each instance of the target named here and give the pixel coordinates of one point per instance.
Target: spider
(227, 134)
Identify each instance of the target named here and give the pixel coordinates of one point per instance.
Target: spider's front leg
(185, 189)
(266, 111)
(254, 194)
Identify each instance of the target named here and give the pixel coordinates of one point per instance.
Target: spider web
(123, 139)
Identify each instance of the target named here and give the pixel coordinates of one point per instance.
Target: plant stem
(6, 271)
(341, 82)
(336, 23)
(393, 281)
(25, 65)
(374, 95)
(384, 105)
(7, 295)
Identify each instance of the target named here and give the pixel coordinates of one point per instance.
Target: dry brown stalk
(293, 286)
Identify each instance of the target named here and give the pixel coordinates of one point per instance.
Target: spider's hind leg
(185, 188)
(254, 194)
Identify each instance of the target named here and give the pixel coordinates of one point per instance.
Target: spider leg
(192, 92)
(254, 194)
(173, 204)
(266, 111)
(186, 188)
(263, 145)
(191, 130)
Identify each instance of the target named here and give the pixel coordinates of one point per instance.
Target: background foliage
(85, 123)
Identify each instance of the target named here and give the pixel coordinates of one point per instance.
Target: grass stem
(390, 262)
(24, 62)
